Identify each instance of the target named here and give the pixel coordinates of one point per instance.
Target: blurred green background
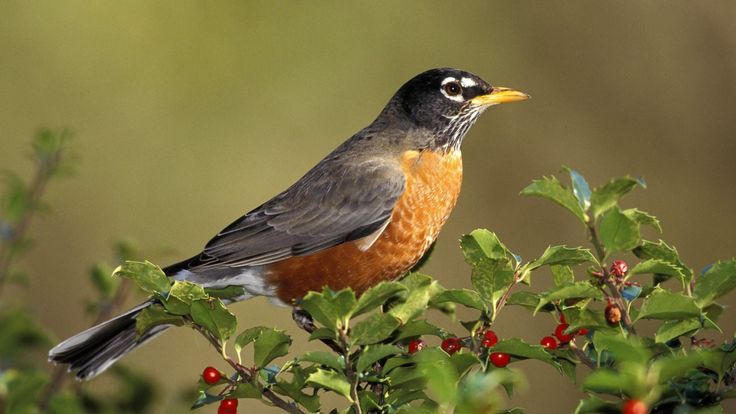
(187, 114)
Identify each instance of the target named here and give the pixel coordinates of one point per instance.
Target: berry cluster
(212, 376)
(453, 344)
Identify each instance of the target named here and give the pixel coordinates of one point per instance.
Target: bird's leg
(305, 322)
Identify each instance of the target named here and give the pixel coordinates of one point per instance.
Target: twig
(349, 373)
(247, 374)
(583, 358)
(502, 302)
(606, 278)
(305, 322)
(38, 184)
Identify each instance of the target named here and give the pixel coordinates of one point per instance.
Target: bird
(365, 213)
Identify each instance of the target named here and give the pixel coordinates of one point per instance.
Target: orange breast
(432, 186)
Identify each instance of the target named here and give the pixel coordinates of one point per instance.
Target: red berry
(561, 335)
(619, 268)
(211, 375)
(500, 359)
(582, 331)
(634, 407)
(613, 313)
(451, 345)
(416, 345)
(228, 406)
(548, 342)
(489, 339)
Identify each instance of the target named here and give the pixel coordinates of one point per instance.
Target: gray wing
(332, 204)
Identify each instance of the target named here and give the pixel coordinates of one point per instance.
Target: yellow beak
(499, 95)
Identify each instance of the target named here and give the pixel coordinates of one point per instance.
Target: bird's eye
(452, 88)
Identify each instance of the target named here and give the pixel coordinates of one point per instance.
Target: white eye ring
(452, 89)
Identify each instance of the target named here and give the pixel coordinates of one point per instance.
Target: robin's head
(447, 102)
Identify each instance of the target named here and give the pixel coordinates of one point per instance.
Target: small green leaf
(326, 359)
(463, 361)
(323, 333)
(622, 349)
(580, 188)
(331, 380)
(528, 300)
(377, 296)
(245, 390)
(155, 315)
(230, 292)
(214, 317)
(100, 276)
(417, 328)
(181, 296)
(562, 274)
(675, 328)
(344, 302)
(320, 308)
(551, 189)
(593, 404)
(661, 251)
(718, 280)
(205, 398)
(146, 275)
(467, 297)
(421, 289)
(605, 381)
(375, 353)
(577, 290)
(662, 304)
(269, 345)
(247, 336)
(374, 329)
(562, 255)
(618, 232)
(482, 244)
(657, 266)
(607, 196)
(642, 217)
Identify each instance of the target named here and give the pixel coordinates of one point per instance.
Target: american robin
(364, 214)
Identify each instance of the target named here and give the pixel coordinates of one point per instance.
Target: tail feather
(92, 351)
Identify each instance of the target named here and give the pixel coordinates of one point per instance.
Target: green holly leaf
(377, 296)
(622, 349)
(580, 188)
(658, 266)
(662, 304)
(661, 251)
(245, 390)
(421, 289)
(146, 275)
(596, 405)
(607, 196)
(181, 296)
(331, 380)
(269, 345)
(230, 292)
(618, 232)
(374, 353)
(562, 274)
(577, 290)
(718, 280)
(374, 329)
(563, 255)
(605, 381)
(675, 328)
(247, 336)
(326, 359)
(214, 317)
(481, 245)
(417, 328)
(155, 315)
(642, 217)
(492, 269)
(527, 300)
(205, 398)
(320, 308)
(466, 297)
(551, 189)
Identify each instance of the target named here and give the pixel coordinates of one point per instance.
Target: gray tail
(91, 352)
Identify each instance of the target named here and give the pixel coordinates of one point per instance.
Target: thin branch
(246, 373)
(583, 357)
(502, 302)
(349, 373)
(304, 321)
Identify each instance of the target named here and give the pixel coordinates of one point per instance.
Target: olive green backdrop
(187, 114)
